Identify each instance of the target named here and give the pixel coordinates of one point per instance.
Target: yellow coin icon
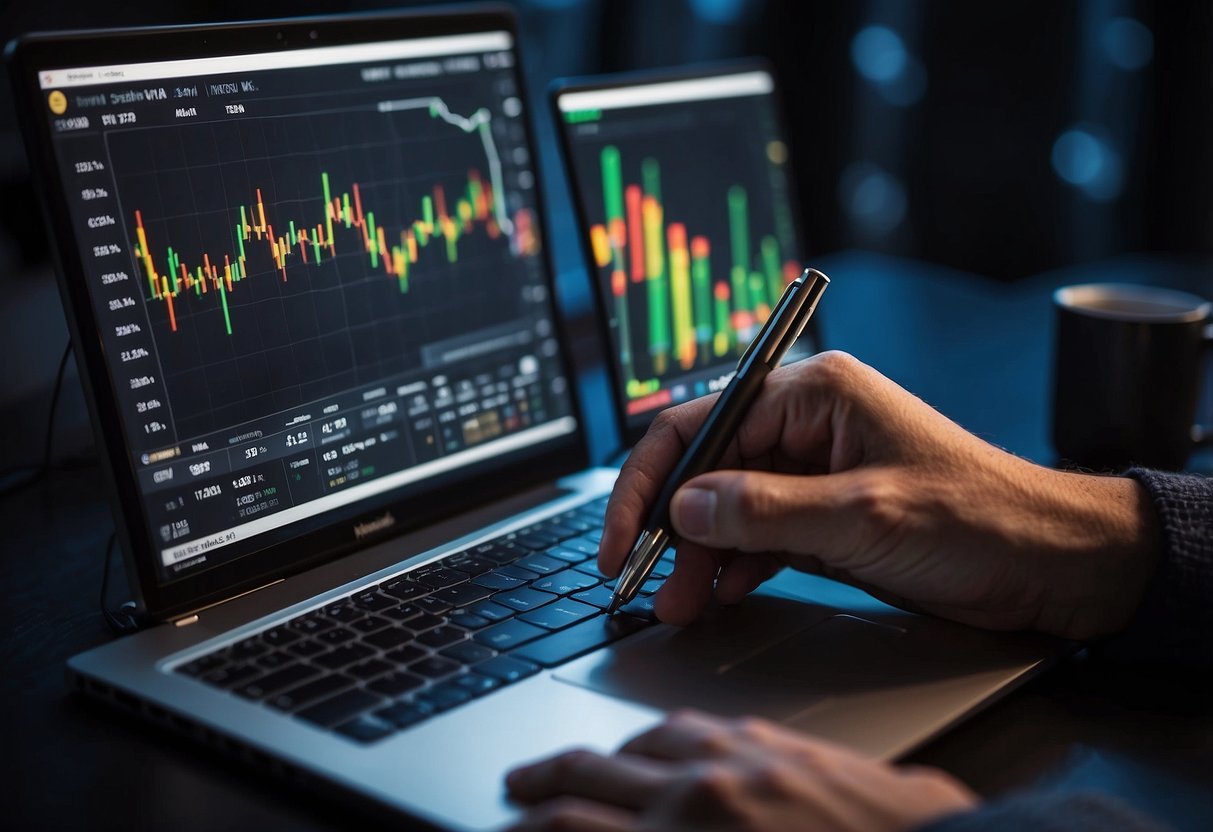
(58, 102)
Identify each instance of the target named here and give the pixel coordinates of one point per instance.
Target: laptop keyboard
(389, 656)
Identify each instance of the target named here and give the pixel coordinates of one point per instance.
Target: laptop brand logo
(371, 526)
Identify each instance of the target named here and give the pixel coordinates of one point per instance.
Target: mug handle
(1202, 435)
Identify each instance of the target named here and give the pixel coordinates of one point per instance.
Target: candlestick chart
(287, 258)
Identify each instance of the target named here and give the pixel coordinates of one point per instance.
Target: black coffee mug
(1127, 375)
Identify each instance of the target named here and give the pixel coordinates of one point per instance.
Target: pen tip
(614, 605)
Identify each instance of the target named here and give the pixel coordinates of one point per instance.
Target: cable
(124, 620)
(48, 444)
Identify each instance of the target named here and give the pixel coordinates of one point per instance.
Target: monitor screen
(683, 188)
(315, 275)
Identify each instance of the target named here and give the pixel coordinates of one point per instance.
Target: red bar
(700, 247)
(633, 196)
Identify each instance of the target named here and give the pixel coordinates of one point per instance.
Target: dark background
(983, 152)
(999, 138)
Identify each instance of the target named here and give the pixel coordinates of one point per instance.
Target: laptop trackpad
(770, 656)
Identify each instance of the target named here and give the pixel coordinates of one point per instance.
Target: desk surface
(976, 349)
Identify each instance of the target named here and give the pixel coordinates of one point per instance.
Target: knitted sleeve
(1174, 623)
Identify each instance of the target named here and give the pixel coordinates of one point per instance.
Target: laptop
(304, 271)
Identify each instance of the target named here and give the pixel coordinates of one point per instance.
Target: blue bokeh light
(874, 199)
(1085, 158)
(718, 11)
(879, 54)
(1127, 43)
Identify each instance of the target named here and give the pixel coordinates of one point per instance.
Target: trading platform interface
(316, 277)
(684, 188)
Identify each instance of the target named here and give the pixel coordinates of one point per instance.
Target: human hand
(838, 471)
(696, 771)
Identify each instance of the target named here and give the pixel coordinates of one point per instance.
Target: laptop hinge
(186, 619)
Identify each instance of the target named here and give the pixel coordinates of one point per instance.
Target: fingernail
(694, 511)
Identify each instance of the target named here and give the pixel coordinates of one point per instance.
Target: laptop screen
(315, 275)
(683, 191)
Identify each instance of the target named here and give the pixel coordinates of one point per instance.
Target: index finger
(642, 477)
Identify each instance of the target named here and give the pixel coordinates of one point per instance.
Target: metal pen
(784, 325)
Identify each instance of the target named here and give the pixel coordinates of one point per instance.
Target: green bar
(724, 333)
(473, 193)
(427, 210)
(240, 232)
(451, 254)
(345, 210)
(770, 264)
(370, 230)
(702, 283)
(739, 237)
(758, 291)
(316, 248)
(227, 321)
(328, 208)
(581, 116)
(658, 282)
(612, 183)
(294, 239)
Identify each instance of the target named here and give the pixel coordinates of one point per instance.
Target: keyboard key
(662, 570)
(423, 622)
(340, 708)
(432, 605)
(374, 601)
(346, 654)
(274, 660)
(506, 669)
(312, 624)
(573, 520)
(523, 599)
(338, 635)
(443, 697)
(513, 570)
(368, 669)
(404, 655)
(497, 580)
(468, 652)
(577, 640)
(345, 613)
(500, 552)
(463, 594)
(508, 634)
(567, 555)
(232, 674)
(366, 728)
(387, 639)
(403, 612)
(279, 636)
(581, 544)
(310, 691)
(249, 648)
(561, 614)
(404, 714)
(402, 589)
(565, 582)
(468, 621)
(369, 624)
(396, 684)
(534, 539)
(434, 667)
(590, 567)
(491, 611)
(202, 664)
(441, 636)
(641, 606)
(599, 597)
(475, 684)
(468, 563)
(441, 578)
(542, 564)
(276, 681)
(306, 648)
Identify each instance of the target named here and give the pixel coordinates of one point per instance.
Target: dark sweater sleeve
(1174, 623)
(1075, 812)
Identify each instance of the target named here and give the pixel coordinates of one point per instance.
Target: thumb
(755, 511)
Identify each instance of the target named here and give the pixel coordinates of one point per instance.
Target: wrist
(1097, 544)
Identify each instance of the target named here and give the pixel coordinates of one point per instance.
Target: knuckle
(712, 785)
(878, 499)
(753, 728)
(572, 764)
(557, 815)
(835, 367)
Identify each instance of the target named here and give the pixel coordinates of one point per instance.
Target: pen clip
(773, 318)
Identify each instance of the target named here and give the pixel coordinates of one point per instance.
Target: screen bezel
(632, 429)
(450, 493)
